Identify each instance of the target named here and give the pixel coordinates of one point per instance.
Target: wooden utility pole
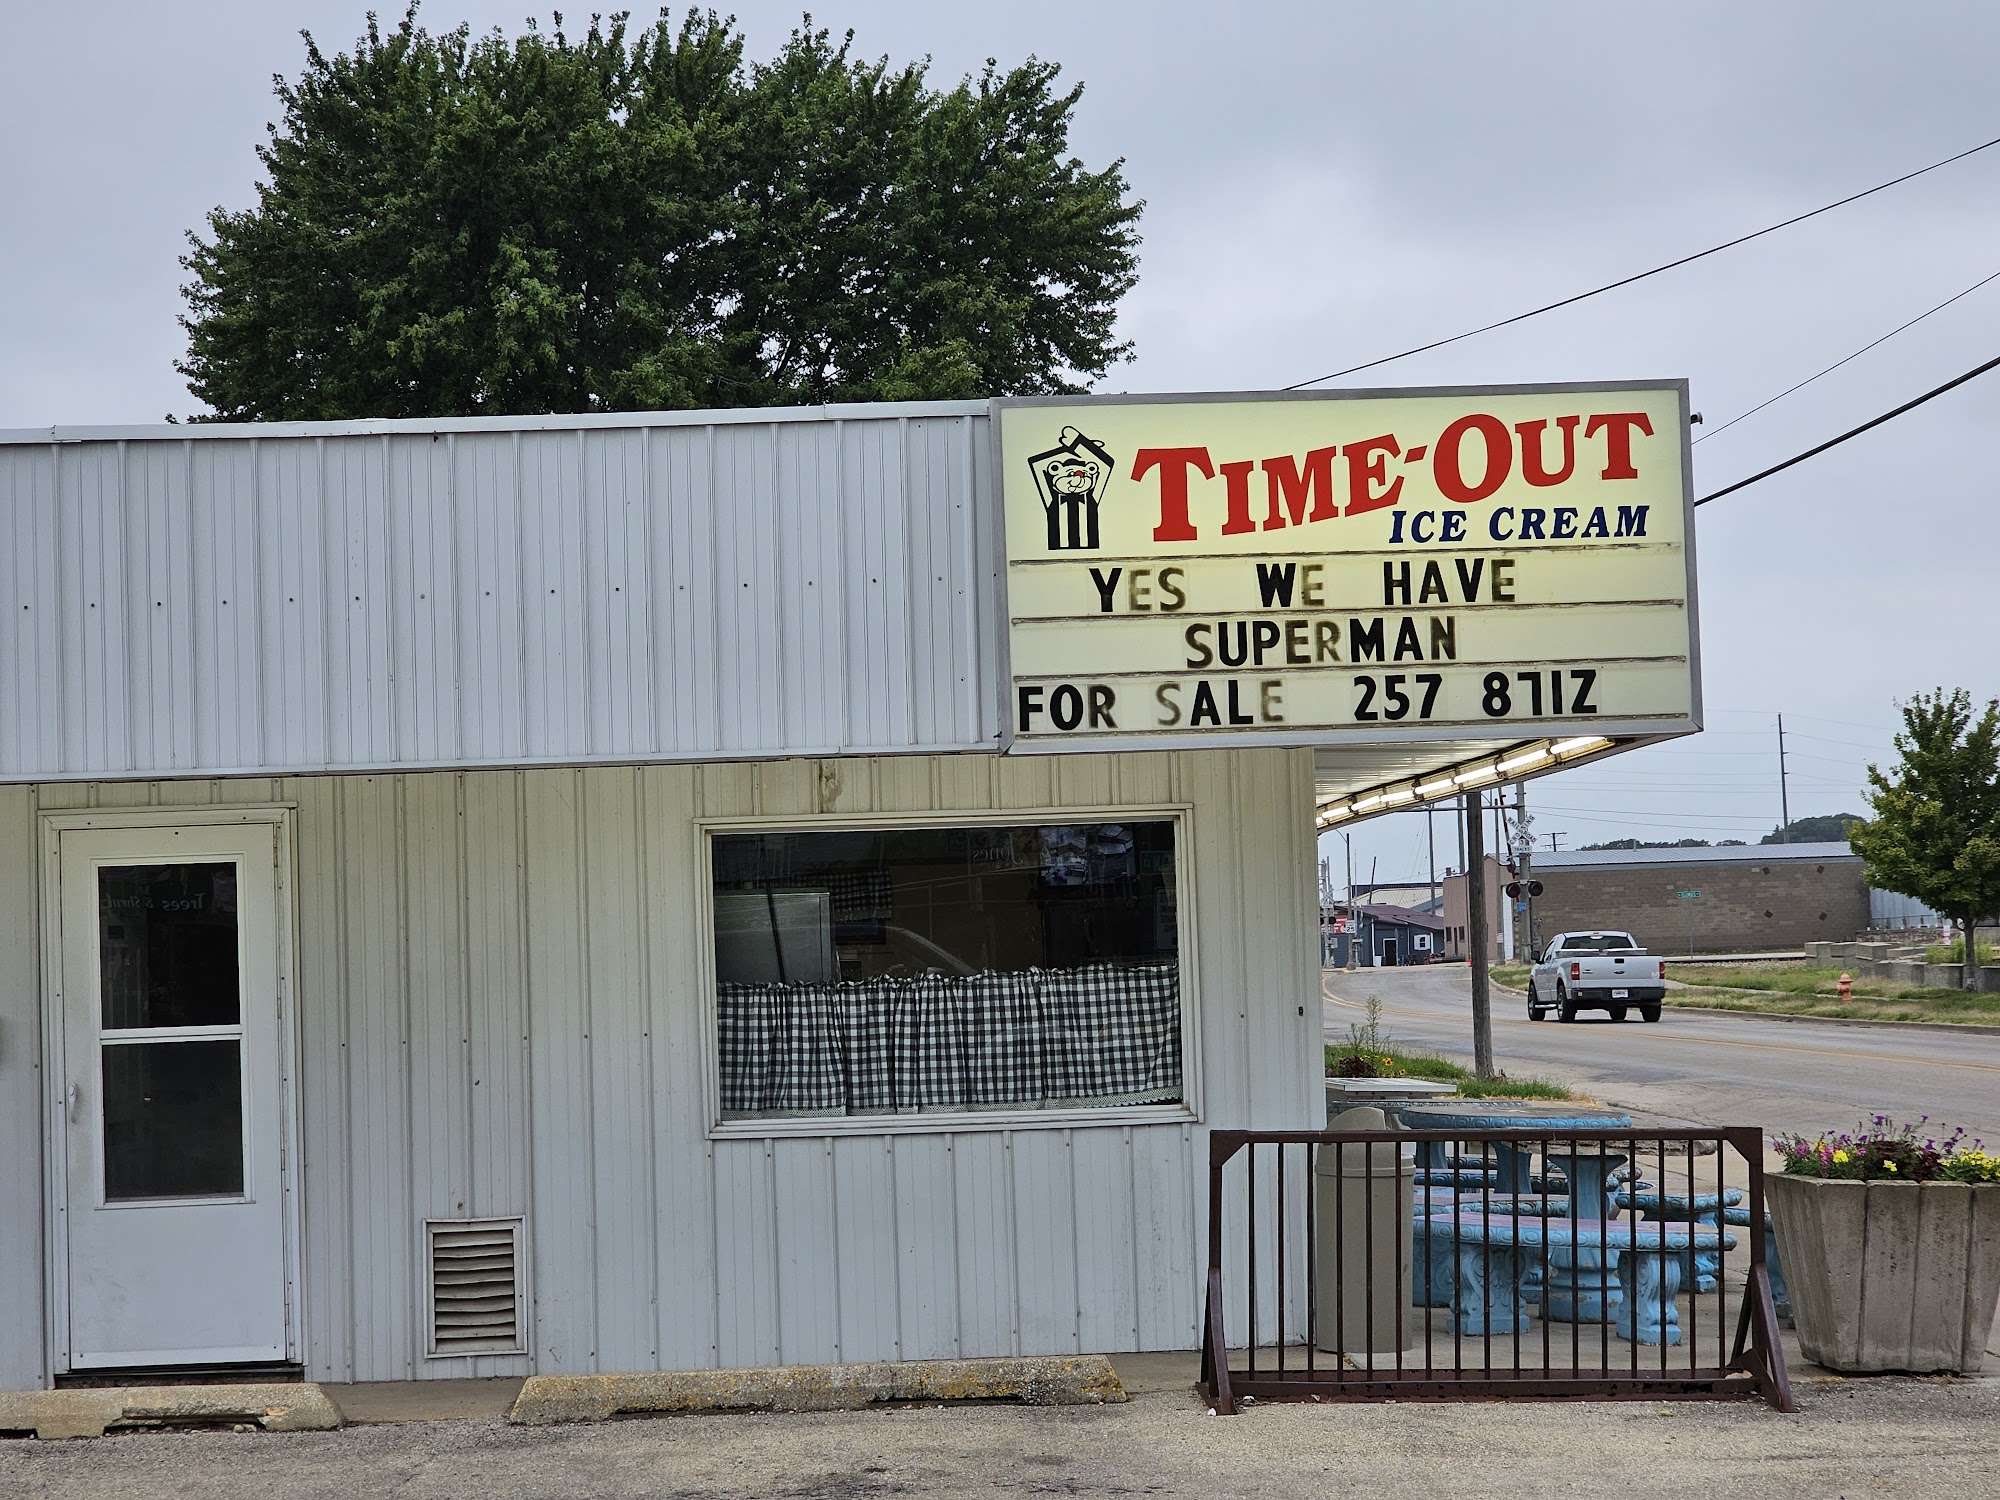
(1475, 928)
(1431, 839)
(1784, 792)
(1523, 845)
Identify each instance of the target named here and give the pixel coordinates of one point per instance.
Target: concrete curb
(85, 1412)
(1065, 1380)
(1947, 1028)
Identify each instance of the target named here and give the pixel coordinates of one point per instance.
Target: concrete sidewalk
(1918, 1437)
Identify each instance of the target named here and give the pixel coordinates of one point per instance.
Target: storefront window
(903, 971)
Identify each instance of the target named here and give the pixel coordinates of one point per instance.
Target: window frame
(1186, 1110)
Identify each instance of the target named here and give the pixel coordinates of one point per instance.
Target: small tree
(1936, 834)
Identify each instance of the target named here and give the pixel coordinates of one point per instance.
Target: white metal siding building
(463, 708)
(260, 600)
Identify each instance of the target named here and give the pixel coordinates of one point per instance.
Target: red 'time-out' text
(1469, 461)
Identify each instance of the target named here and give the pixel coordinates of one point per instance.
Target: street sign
(1687, 895)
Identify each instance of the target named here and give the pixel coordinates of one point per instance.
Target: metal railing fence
(1486, 1264)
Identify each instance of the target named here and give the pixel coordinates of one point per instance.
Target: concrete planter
(1889, 1275)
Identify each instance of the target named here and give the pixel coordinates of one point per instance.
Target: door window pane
(167, 945)
(173, 1119)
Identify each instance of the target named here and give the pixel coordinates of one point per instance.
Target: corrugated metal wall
(500, 1016)
(24, 1103)
(551, 593)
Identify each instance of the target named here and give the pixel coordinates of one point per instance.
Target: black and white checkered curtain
(1101, 1034)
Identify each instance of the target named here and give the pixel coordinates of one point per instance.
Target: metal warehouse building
(557, 895)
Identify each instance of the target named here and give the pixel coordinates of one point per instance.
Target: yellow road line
(1713, 1041)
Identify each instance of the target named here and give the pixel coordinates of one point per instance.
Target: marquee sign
(1301, 569)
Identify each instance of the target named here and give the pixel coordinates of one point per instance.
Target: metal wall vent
(475, 1287)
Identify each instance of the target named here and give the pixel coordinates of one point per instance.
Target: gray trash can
(1363, 1253)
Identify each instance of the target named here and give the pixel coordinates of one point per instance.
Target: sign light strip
(1439, 784)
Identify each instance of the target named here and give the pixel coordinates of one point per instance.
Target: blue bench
(1474, 1178)
(1489, 1250)
(1464, 1178)
(1432, 1274)
(1682, 1208)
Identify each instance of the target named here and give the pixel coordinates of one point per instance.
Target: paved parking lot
(1900, 1437)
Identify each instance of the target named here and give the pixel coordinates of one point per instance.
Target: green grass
(1938, 1007)
(1512, 1088)
(1954, 953)
(1809, 990)
(1514, 976)
(1424, 1065)
(1799, 979)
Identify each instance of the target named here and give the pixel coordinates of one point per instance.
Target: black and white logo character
(1071, 481)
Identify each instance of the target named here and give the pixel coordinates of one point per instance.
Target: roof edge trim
(548, 422)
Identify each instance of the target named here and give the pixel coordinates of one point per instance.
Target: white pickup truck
(1596, 971)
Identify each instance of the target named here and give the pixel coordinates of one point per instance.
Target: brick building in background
(1751, 899)
(1457, 914)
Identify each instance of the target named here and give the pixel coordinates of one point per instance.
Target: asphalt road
(1704, 1068)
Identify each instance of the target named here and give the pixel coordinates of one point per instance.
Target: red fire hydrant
(1846, 987)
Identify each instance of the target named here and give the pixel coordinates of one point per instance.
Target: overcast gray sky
(1326, 183)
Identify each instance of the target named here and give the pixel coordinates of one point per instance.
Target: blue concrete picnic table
(1581, 1286)
(1582, 1271)
(1490, 1249)
(1511, 1161)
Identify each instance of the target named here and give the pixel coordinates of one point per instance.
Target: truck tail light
(1576, 971)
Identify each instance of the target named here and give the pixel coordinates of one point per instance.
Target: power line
(1613, 286)
(1816, 718)
(1827, 739)
(1710, 789)
(1659, 815)
(1852, 432)
(1685, 826)
(1855, 355)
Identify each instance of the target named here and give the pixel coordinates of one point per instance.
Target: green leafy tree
(630, 220)
(1641, 844)
(1824, 829)
(1936, 833)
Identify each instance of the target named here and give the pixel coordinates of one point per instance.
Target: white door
(174, 1050)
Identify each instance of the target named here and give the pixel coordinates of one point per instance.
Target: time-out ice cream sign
(1313, 569)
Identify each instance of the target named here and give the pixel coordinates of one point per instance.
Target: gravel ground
(1852, 1438)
